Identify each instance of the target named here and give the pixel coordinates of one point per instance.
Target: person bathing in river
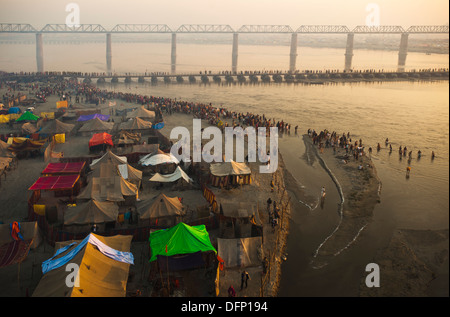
(322, 193)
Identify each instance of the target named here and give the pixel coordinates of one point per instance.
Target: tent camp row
(104, 262)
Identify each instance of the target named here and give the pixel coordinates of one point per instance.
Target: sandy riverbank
(359, 191)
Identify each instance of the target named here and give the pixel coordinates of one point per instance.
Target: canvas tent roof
(135, 124)
(109, 157)
(108, 189)
(141, 112)
(91, 212)
(29, 128)
(239, 209)
(96, 125)
(180, 239)
(241, 252)
(22, 145)
(56, 127)
(64, 168)
(55, 182)
(109, 169)
(160, 206)
(168, 178)
(160, 158)
(229, 168)
(102, 272)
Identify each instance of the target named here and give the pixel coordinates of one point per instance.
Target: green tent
(28, 116)
(180, 239)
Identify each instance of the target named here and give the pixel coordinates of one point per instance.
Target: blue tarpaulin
(158, 126)
(52, 263)
(14, 110)
(88, 117)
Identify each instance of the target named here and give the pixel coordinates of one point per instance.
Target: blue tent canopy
(14, 110)
(88, 117)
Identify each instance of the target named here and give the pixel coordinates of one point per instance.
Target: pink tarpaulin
(55, 182)
(64, 168)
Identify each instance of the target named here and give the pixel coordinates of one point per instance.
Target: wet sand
(359, 192)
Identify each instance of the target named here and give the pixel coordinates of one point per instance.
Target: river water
(412, 113)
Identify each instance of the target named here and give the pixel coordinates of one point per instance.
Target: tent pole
(18, 276)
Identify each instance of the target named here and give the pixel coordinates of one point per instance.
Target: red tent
(64, 168)
(100, 139)
(55, 182)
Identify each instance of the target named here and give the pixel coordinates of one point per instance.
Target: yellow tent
(98, 275)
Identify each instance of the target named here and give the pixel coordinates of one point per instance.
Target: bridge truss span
(141, 28)
(205, 28)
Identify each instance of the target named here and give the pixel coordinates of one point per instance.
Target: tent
(15, 251)
(24, 145)
(169, 178)
(238, 218)
(96, 125)
(242, 252)
(109, 157)
(160, 206)
(63, 168)
(4, 118)
(114, 189)
(28, 116)
(141, 112)
(135, 124)
(109, 169)
(56, 127)
(230, 173)
(229, 168)
(103, 262)
(126, 137)
(91, 212)
(14, 110)
(88, 117)
(156, 159)
(180, 239)
(100, 140)
(29, 128)
(55, 182)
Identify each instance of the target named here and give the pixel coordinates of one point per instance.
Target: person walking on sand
(231, 291)
(244, 279)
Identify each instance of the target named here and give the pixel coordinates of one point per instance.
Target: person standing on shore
(244, 279)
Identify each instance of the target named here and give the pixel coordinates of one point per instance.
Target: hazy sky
(233, 12)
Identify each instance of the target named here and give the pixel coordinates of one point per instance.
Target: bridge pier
(293, 54)
(403, 51)
(349, 52)
(39, 53)
(108, 54)
(234, 54)
(173, 55)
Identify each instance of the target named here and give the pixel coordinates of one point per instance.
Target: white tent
(157, 159)
(179, 173)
